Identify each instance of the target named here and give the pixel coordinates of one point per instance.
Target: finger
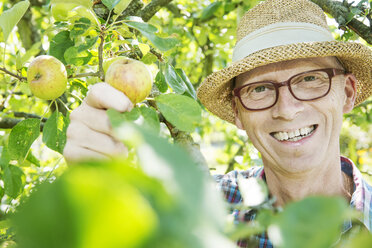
(74, 153)
(104, 96)
(95, 119)
(83, 136)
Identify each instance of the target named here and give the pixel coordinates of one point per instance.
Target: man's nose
(287, 107)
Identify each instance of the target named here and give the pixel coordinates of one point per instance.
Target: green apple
(47, 77)
(132, 77)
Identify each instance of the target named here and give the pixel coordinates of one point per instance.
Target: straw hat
(279, 30)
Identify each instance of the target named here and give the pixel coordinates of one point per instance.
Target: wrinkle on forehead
(301, 64)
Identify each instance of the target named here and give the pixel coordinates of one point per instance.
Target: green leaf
(186, 80)
(110, 4)
(148, 30)
(160, 82)
(117, 118)
(174, 80)
(10, 17)
(33, 51)
(74, 57)
(54, 132)
(86, 3)
(149, 59)
(4, 158)
(121, 6)
(14, 179)
(151, 119)
(59, 44)
(318, 219)
(80, 27)
(210, 10)
(21, 138)
(182, 111)
(32, 159)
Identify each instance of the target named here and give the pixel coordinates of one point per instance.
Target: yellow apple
(132, 77)
(109, 61)
(47, 77)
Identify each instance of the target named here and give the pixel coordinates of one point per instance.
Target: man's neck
(327, 180)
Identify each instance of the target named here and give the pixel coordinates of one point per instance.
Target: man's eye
(259, 89)
(309, 78)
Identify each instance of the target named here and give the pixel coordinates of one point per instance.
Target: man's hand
(89, 135)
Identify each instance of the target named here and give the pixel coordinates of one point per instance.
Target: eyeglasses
(305, 86)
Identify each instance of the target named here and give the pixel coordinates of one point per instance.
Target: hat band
(279, 34)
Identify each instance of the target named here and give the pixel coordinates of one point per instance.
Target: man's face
(318, 121)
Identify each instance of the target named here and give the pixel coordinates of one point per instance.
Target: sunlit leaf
(182, 111)
(14, 179)
(21, 138)
(10, 17)
(54, 132)
(148, 30)
(110, 4)
(174, 80)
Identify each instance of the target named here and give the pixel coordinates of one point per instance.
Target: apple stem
(37, 76)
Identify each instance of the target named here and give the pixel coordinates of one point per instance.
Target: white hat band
(279, 34)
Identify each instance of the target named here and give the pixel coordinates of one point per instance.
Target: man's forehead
(301, 64)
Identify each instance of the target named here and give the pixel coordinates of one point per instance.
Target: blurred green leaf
(14, 179)
(21, 138)
(151, 119)
(318, 219)
(54, 132)
(182, 111)
(10, 17)
(148, 30)
(210, 10)
(117, 118)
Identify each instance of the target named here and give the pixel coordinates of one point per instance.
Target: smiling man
(288, 87)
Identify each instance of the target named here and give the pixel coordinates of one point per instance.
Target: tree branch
(151, 9)
(133, 8)
(340, 13)
(88, 74)
(20, 78)
(9, 123)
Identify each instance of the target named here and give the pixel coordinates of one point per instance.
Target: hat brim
(215, 92)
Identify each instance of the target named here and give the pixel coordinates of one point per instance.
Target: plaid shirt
(361, 198)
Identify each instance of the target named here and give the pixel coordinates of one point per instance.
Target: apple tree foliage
(160, 194)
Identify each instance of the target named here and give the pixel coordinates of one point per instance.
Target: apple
(47, 77)
(132, 77)
(109, 61)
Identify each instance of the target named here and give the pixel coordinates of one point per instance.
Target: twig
(28, 115)
(100, 56)
(20, 78)
(340, 13)
(88, 74)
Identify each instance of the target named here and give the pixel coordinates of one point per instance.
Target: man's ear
(238, 123)
(350, 92)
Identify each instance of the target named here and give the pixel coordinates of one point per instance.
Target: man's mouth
(294, 135)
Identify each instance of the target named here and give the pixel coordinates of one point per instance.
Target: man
(288, 87)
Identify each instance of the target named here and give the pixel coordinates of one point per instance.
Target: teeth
(294, 135)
